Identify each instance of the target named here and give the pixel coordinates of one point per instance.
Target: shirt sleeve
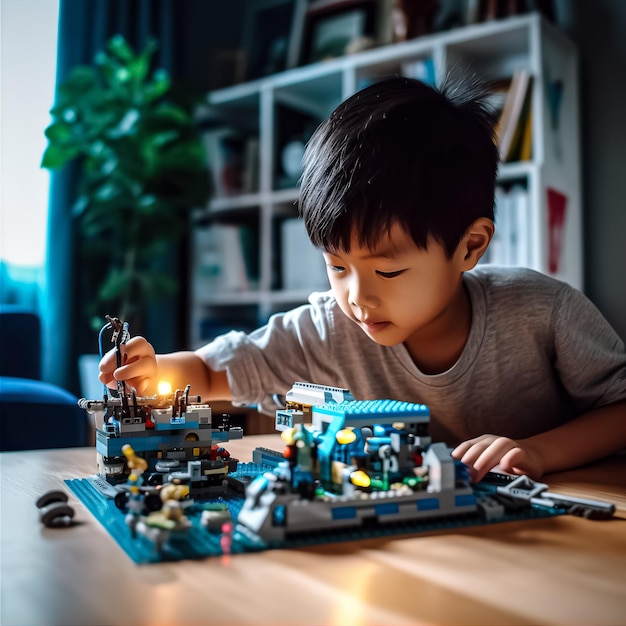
(589, 355)
(261, 365)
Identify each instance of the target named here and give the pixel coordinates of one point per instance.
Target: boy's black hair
(401, 151)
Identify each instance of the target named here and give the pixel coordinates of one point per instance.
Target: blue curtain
(84, 28)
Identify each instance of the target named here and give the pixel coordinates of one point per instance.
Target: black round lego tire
(56, 495)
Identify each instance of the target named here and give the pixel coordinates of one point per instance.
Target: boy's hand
(139, 367)
(487, 451)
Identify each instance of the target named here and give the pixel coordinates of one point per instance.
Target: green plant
(142, 169)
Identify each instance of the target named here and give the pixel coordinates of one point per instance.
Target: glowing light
(288, 436)
(345, 436)
(164, 388)
(360, 478)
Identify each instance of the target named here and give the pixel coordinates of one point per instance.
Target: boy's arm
(586, 438)
(187, 368)
(144, 370)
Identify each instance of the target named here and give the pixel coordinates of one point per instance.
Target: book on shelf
(498, 90)
(220, 262)
(251, 165)
(515, 117)
(302, 264)
(557, 221)
(521, 144)
(520, 201)
(233, 160)
(511, 241)
(526, 136)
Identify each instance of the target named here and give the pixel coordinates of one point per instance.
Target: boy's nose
(360, 296)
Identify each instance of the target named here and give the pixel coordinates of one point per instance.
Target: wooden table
(559, 570)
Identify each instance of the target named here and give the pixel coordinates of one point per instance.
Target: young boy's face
(397, 292)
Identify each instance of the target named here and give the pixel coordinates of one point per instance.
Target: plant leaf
(120, 48)
(55, 157)
(142, 168)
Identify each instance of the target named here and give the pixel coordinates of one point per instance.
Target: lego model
(372, 462)
(347, 465)
(359, 462)
(151, 513)
(173, 432)
(301, 399)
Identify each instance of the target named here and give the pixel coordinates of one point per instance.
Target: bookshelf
(539, 199)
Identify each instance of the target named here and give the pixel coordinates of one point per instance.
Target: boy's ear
(475, 242)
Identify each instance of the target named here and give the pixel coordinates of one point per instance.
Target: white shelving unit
(493, 50)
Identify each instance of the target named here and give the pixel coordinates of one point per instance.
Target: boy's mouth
(373, 327)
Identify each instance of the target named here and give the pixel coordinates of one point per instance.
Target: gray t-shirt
(538, 354)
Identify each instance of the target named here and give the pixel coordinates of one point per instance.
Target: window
(27, 70)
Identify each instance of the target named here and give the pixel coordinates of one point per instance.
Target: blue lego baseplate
(197, 542)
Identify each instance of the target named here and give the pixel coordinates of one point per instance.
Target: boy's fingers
(473, 447)
(134, 369)
(473, 452)
(107, 362)
(136, 347)
(494, 452)
(461, 449)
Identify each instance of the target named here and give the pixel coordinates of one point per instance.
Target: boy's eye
(336, 268)
(389, 274)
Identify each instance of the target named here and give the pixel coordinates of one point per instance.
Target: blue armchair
(33, 414)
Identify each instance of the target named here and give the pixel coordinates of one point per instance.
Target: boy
(519, 370)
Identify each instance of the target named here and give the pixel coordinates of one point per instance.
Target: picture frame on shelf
(333, 28)
(271, 29)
